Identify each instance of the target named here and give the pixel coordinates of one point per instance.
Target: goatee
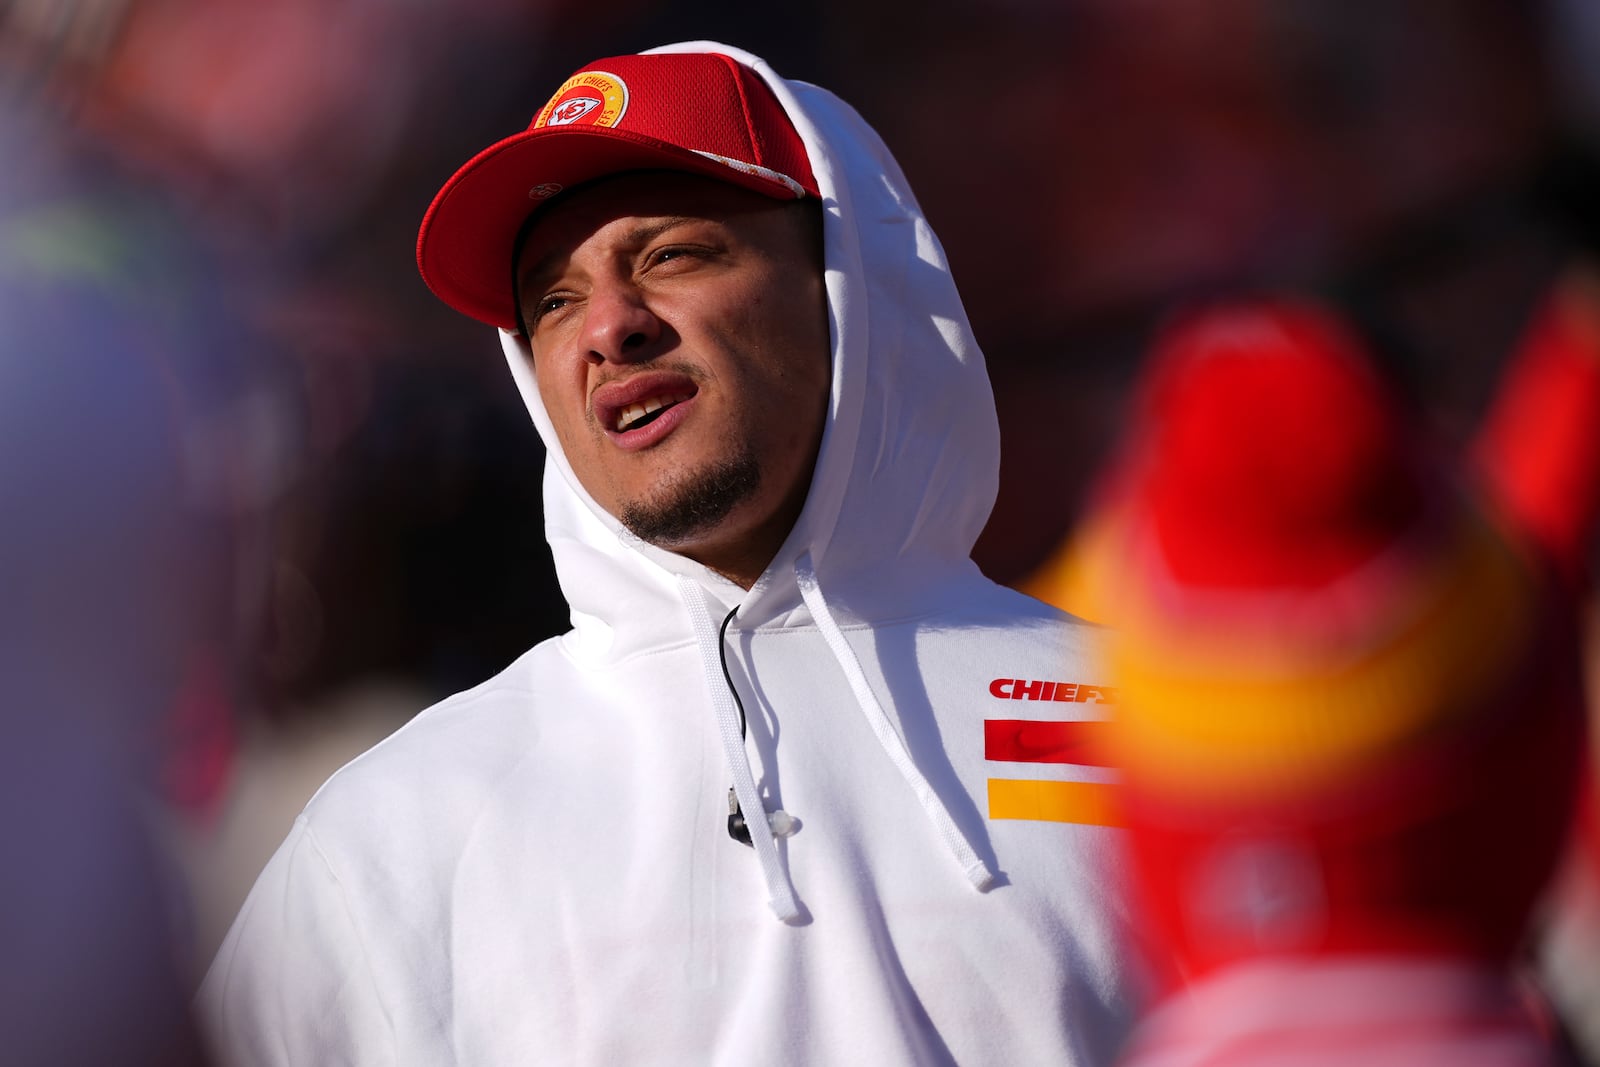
(691, 503)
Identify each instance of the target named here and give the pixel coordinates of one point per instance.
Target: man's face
(679, 337)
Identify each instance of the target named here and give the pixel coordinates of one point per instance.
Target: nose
(618, 325)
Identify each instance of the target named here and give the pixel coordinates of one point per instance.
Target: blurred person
(108, 618)
(1540, 450)
(250, 107)
(277, 151)
(1351, 713)
(771, 445)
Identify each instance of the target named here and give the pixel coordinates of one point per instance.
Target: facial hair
(691, 503)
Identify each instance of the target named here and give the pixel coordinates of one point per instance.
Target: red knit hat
(1348, 710)
(704, 113)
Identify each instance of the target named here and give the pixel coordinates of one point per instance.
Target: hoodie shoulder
(982, 602)
(453, 749)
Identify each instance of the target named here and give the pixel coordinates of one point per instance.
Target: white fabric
(780, 893)
(538, 870)
(972, 865)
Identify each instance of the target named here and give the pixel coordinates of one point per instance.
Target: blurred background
(265, 498)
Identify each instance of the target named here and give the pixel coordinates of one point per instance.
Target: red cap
(1279, 457)
(704, 113)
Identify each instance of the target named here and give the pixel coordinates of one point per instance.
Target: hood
(909, 461)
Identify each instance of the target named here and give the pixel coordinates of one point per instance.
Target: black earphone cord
(738, 829)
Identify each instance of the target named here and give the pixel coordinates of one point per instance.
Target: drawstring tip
(981, 877)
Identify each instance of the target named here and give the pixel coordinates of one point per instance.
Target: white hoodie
(538, 870)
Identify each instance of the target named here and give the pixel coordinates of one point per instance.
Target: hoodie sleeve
(292, 983)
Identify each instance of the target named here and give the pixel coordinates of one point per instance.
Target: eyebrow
(645, 232)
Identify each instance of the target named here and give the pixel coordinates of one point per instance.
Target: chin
(689, 508)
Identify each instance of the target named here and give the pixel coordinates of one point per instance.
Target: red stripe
(1032, 741)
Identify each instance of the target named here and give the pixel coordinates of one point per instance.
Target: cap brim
(465, 243)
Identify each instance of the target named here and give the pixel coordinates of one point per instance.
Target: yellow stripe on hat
(1087, 803)
(1284, 712)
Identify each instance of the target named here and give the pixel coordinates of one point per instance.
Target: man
(771, 447)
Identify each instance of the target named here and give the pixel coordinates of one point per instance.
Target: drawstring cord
(780, 821)
(732, 727)
(729, 712)
(736, 824)
(972, 865)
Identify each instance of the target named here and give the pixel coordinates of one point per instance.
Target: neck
(743, 556)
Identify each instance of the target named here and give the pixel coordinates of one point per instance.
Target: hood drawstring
(972, 865)
(780, 893)
(730, 724)
(781, 822)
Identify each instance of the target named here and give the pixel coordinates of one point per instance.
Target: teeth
(634, 412)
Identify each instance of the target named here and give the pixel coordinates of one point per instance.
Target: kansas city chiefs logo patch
(591, 98)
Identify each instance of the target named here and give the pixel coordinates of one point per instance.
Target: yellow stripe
(1189, 725)
(1089, 803)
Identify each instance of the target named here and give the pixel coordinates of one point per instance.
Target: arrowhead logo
(573, 110)
(592, 98)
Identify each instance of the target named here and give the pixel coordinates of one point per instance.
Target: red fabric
(1032, 741)
(1441, 849)
(1375, 1010)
